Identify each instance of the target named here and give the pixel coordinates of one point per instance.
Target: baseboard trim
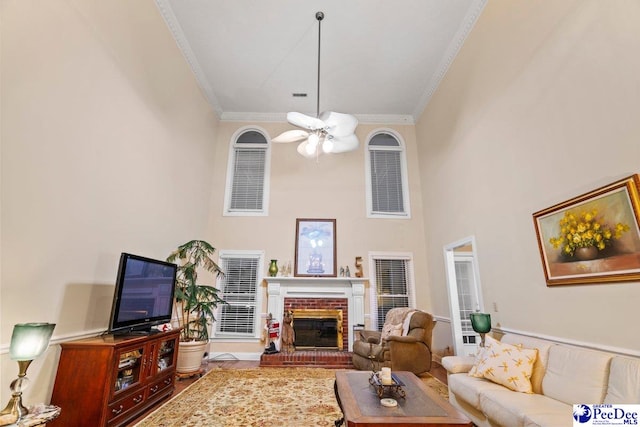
(220, 356)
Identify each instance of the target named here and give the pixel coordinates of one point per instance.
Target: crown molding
(387, 119)
(451, 53)
(230, 116)
(178, 34)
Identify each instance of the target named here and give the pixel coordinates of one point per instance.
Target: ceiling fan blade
(344, 144)
(304, 121)
(339, 124)
(291, 136)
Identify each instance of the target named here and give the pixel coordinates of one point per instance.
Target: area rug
(257, 397)
(437, 385)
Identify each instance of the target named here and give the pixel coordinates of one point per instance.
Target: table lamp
(481, 323)
(28, 341)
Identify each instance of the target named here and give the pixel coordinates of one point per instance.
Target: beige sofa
(562, 375)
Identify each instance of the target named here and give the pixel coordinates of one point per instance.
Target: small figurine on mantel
(358, 266)
(287, 270)
(347, 273)
(341, 271)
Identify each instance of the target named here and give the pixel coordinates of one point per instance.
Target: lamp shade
(30, 340)
(480, 322)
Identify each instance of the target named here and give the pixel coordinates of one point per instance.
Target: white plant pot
(190, 356)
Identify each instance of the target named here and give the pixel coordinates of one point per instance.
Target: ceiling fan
(329, 132)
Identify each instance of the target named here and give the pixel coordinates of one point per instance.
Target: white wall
(107, 146)
(540, 106)
(333, 187)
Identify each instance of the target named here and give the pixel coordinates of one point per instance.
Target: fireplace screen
(318, 329)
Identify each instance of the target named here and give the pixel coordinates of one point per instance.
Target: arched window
(387, 187)
(247, 190)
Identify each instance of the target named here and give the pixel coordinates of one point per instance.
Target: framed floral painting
(315, 248)
(592, 238)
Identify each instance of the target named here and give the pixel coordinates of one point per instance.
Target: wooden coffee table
(423, 406)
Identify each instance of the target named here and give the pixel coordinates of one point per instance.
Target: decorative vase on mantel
(586, 254)
(273, 268)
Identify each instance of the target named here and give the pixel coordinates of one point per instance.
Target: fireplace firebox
(318, 329)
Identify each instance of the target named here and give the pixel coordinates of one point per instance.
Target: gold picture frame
(592, 238)
(315, 248)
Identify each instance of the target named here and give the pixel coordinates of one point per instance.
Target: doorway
(465, 294)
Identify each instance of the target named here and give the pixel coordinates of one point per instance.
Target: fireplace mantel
(351, 288)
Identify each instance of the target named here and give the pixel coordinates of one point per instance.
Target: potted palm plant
(195, 303)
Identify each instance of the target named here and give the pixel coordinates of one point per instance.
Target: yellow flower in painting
(620, 228)
(585, 229)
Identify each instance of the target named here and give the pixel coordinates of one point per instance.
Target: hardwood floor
(436, 370)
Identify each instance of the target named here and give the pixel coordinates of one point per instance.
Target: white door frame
(452, 286)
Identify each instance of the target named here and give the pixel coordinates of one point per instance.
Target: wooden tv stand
(109, 380)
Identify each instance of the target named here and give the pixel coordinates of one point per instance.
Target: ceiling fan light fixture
(329, 132)
(310, 149)
(327, 146)
(314, 139)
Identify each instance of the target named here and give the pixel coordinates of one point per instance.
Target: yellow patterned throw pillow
(480, 355)
(505, 364)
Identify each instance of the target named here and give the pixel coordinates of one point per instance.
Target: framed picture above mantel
(594, 237)
(315, 248)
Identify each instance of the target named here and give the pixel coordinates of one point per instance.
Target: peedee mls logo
(605, 415)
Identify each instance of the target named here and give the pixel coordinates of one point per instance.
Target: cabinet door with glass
(165, 354)
(130, 369)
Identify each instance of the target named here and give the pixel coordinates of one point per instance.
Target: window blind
(386, 182)
(239, 289)
(247, 188)
(392, 286)
(465, 295)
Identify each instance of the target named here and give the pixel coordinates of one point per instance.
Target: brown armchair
(401, 349)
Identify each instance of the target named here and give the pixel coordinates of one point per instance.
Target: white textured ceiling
(381, 60)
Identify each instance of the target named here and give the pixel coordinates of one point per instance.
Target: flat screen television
(143, 295)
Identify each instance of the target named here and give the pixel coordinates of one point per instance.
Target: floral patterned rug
(257, 397)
